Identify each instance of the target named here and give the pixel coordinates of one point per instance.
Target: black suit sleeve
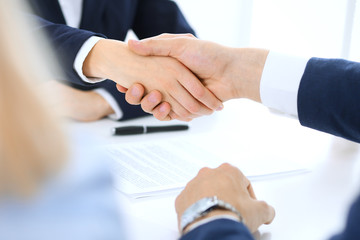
(352, 229)
(66, 42)
(223, 229)
(329, 97)
(154, 17)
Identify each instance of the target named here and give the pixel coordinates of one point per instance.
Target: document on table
(144, 169)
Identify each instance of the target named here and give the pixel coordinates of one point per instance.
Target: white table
(309, 206)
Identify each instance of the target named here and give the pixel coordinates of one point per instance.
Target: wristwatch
(203, 207)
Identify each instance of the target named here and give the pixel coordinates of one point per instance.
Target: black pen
(131, 130)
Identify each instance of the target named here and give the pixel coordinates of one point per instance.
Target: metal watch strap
(203, 207)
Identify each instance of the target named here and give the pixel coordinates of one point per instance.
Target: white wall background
(322, 28)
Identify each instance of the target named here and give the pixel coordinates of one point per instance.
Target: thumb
(154, 47)
(269, 212)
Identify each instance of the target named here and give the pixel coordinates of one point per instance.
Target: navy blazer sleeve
(352, 229)
(67, 42)
(329, 97)
(154, 17)
(223, 229)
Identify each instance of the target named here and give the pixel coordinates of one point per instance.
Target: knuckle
(194, 107)
(264, 207)
(200, 92)
(185, 114)
(204, 170)
(226, 166)
(209, 112)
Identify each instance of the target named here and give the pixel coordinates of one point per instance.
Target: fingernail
(162, 108)
(152, 98)
(135, 92)
(221, 107)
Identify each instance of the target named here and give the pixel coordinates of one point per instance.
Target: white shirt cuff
(118, 114)
(210, 219)
(81, 56)
(280, 82)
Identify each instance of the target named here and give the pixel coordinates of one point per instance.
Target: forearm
(66, 42)
(328, 97)
(245, 70)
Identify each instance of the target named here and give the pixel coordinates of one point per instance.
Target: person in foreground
(322, 93)
(49, 188)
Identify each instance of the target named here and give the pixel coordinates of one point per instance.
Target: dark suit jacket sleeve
(223, 229)
(352, 229)
(329, 97)
(154, 17)
(66, 42)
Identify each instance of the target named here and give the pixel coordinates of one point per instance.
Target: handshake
(178, 76)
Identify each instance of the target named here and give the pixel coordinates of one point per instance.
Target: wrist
(107, 109)
(213, 213)
(102, 107)
(93, 66)
(103, 57)
(245, 70)
(203, 208)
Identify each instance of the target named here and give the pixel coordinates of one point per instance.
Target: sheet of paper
(144, 169)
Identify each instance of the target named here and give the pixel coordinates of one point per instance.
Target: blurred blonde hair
(32, 144)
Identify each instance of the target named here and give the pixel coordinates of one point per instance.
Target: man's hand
(230, 185)
(178, 86)
(85, 106)
(227, 72)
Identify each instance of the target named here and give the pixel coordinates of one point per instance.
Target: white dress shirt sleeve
(118, 113)
(81, 56)
(280, 82)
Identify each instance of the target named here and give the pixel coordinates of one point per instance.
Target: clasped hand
(175, 84)
(226, 72)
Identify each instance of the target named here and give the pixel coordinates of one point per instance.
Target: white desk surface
(309, 206)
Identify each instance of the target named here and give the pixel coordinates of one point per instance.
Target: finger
(173, 115)
(248, 186)
(151, 100)
(188, 102)
(121, 88)
(135, 94)
(178, 108)
(201, 93)
(251, 191)
(162, 111)
(266, 211)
